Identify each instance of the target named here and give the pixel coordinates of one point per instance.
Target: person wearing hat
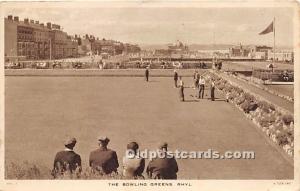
(133, 164)
(67, 160)
(103, 160)
(162, 166)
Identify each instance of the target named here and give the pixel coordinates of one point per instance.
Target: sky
(148, 25)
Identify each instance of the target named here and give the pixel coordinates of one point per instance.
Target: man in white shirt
(201, 87)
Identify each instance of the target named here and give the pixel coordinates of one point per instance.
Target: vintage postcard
(149, 95)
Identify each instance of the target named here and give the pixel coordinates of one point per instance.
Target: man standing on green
(212, 90)
(201, 87)
(181, 89)
(196, 78)
(175, 78)
(147, 74)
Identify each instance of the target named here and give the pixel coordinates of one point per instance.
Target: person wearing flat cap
(133, 164)
(103, 160)
(162, 167)
(67, 160)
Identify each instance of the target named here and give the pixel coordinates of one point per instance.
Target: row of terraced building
(29, 39)
(32, 40)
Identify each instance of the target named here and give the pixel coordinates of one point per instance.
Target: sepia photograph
(149, 94)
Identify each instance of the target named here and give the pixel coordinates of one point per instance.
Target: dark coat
(181, 93)
(175, 76)
(66, 160)
(147, 72)
(104, 160)
(163, 168)
(196, 76)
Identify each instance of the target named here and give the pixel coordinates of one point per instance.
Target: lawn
(41, 111)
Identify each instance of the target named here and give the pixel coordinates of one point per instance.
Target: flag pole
(274, 44)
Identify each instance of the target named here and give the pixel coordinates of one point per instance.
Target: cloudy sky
(150, 25)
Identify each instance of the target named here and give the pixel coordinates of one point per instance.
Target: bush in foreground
(30, 171)
(26, 170)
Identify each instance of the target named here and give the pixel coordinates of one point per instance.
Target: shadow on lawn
(191, 100)
(151, 81)
(220, 99)
(207, 98)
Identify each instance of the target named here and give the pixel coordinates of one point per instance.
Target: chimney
(37, 22)
(32, 21)
(42, 24)
(10, 17)
(75, 36)
(16, 18)
(58, 27)
(26, 21)
(49, 25)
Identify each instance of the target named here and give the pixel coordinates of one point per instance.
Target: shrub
(272, 118)
(249, 97)
(26, 171)
(253, 106)
(248, 106)
(278, 127)
(240, 99)
(266, 120)
(263, 122)
(290, 134)
(221, 86)
(231, 96)
(287, 119)
(228, 88)
(239, 90)
(272, 107)
(282, 138)
(264, 106)
(245, 105)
